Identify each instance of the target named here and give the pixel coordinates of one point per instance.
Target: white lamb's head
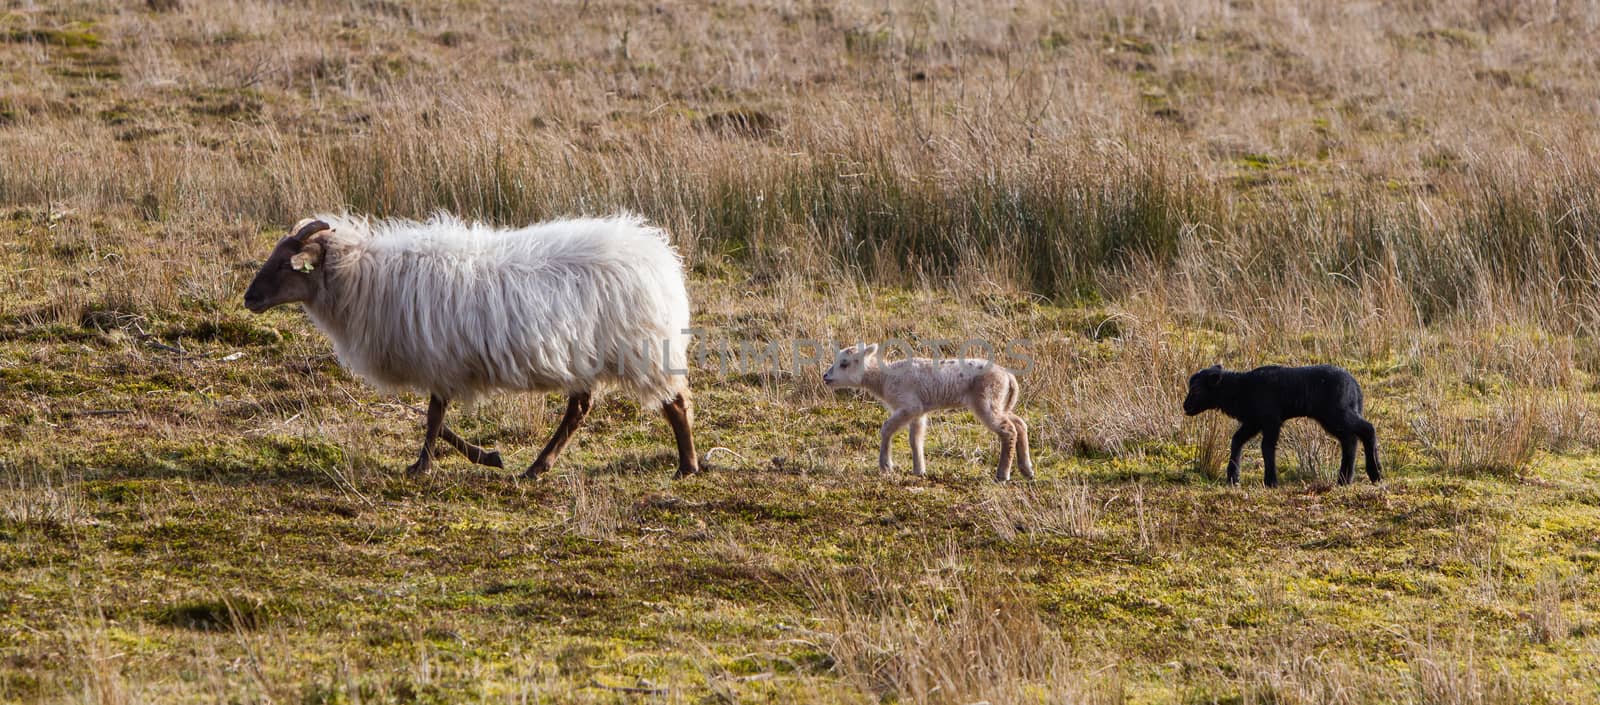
(850, 366)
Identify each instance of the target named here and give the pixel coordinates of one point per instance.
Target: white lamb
(912, 388)
(455, 310)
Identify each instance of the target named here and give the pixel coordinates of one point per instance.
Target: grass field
(198, 504)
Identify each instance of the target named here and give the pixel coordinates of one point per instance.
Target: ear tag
(303, 262)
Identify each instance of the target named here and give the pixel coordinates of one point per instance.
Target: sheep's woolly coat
(458, 309)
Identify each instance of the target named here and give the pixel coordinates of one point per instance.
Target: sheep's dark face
(849, 367)
(292, 273)
(1203, 390)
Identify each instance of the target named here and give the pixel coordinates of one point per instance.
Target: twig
(164, 346)
(635, 690)
(729, 451)
(150, 340)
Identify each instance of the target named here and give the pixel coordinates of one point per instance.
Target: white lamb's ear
(869, 350)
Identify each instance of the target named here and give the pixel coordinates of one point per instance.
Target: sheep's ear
(307, 259)
(869, 350)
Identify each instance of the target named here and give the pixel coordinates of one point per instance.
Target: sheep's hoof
(419, 468)
(685, 471)
(539, 467)
(492, 459)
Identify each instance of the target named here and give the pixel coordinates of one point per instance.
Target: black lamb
(1263, 398)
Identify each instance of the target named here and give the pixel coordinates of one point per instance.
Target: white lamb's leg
(897, 421)
(919, 433)
(1024, 456)
(1002, 429)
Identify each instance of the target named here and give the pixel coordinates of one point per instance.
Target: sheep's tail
(688, 402)
(678, 379)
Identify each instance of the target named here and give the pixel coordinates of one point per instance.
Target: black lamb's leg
(1347, 457)
(1269, 454)
(1369, 441)
(1240, 437)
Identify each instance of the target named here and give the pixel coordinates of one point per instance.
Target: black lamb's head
(1205, 389)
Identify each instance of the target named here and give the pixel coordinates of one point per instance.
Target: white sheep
(912, 388)
(455, 310)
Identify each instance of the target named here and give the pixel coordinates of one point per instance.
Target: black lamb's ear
(1217, 367)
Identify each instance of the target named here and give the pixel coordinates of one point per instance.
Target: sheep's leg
(578, 406)
(1001, 425)
(1369, 442)
(474, 453)
(677, 413)
(919, 433)
(1269, 454)
(1240, 437)
(1024, 456)
(1347, 456)
(897, 421)
(424, 462)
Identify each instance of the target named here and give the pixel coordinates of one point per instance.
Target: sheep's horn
(309, 228)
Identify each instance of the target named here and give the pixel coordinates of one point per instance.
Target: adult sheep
(456, 310)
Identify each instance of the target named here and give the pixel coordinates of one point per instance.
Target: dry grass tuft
(1499, 442)
(1452, 673)
(41, 497)
(1038, 511)
(1212, 441)
(939, 639)
(594, 510)
(97, 668)
(1546, 616)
